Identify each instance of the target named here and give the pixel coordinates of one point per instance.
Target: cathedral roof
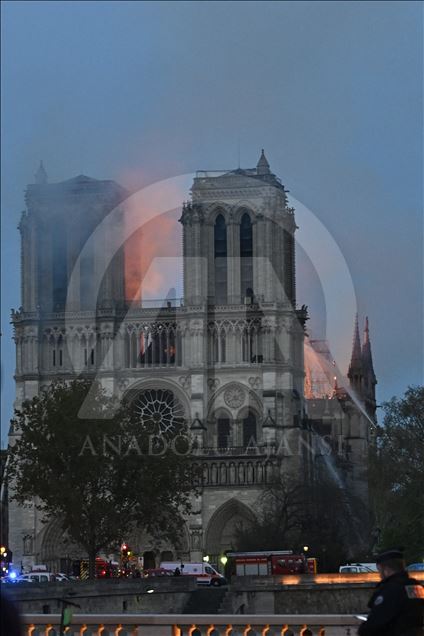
(81, 178)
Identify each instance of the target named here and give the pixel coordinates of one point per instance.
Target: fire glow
(336, 578)
(159, 237)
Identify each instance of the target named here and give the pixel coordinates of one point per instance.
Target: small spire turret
(370, 379)
(366, 353)
(355, 372)
(263, 165)
(41, 174)
(356, 358)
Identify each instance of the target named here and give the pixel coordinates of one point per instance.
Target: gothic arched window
(246, 256)
(249, 430)
(59, 267)
(223, 348)
(223, 432)
(289, 267)
(220, 253)
(87, 277)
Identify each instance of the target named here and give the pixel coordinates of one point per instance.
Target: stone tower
(59, 331)
(239, 282)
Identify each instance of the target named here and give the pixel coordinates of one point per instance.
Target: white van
(358, 568)
(42, 577)
(205, 574)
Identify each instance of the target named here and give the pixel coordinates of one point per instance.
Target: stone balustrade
(193, 625)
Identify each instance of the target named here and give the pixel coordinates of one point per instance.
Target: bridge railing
(193, 625)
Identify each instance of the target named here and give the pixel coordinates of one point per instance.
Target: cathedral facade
(228, 358)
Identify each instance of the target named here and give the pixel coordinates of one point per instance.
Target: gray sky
(138, 92)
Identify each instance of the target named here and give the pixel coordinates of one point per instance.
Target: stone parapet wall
(110, 596)
(250, 595)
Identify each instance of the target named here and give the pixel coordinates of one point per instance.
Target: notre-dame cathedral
(228, 358)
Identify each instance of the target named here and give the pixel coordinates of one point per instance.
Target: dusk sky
(143, 91)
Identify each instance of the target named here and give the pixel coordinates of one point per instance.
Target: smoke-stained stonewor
(229, 358)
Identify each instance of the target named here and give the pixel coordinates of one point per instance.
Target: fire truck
(104, 569)
(271, 563)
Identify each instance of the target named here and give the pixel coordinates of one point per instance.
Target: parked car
(42, 577)
(358, 568)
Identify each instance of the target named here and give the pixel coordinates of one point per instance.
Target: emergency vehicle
(271, 563)
(205, 574)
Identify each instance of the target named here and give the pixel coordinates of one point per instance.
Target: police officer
(397, 603)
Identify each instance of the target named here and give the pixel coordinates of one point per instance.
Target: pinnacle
(41, 174)
(263, 165)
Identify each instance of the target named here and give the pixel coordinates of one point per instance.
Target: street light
(224, 560)
(305, 548)
(206, 558)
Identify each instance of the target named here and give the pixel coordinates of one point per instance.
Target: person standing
(398, 601)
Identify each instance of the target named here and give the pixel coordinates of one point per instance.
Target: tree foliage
(320, 515)
(101, 474)
(397, 474)
(279, 516)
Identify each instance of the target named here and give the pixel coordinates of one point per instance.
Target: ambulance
(205, 574)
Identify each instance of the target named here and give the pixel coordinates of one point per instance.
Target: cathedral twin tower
(228, 360)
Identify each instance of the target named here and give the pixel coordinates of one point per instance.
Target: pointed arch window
(59, 267)
(249, 430)
(87, 277)
(223, 432)
(220, 254)
(246, 257)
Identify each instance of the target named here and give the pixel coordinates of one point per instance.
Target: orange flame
(160, 236)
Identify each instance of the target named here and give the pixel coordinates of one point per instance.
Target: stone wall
(247, 595)
(170, 595)
(257, 595)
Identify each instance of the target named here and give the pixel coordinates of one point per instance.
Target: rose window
(234, 396)
(160, 410)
